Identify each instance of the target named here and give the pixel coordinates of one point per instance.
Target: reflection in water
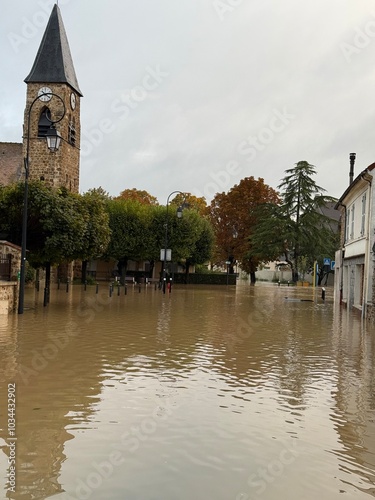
(225, 393)
(353, 414)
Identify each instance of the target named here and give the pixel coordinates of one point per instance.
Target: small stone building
(10, 264)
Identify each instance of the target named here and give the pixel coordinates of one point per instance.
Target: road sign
(167, 252)
(326, 261)
(333, 265)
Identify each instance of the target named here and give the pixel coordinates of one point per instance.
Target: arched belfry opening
(44, 123)
(72, 130)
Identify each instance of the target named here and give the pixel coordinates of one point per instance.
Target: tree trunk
(292, 268)
(187, 271)
(37, 279)
(47, 284)
(122, 266)
(84, 271)
(252, 278)
(152, 265)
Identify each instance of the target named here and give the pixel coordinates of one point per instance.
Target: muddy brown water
(225, 393)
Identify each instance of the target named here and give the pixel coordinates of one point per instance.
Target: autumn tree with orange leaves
(138, 195)
(233, 216)
(193, 202)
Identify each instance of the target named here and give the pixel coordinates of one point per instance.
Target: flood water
(210, 393)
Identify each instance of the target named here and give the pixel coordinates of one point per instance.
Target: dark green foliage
(138, 232)
(61, 226)
(206, 279)
(295, 228)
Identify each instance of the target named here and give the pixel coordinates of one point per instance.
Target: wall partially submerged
(9, 287)
(8, 297)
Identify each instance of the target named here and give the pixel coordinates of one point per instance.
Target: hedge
(205, 279)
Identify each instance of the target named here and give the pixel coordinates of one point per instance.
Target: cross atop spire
(53, 62)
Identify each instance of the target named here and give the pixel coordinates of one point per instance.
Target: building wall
(357, 227)
(275, 275)
(371, 305)
(353, 281)
(8, 297)
(357, 213)
(11, 162)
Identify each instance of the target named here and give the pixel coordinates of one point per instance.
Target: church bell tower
(53, 71)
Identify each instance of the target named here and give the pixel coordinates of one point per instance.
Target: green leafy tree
(61, 226)
(54, 225)
(96, 236)
(128, 222)
(190, 238)
(296, 227)
(203, 246)
(180, 232)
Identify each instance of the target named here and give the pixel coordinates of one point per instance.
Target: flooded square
(228, 393)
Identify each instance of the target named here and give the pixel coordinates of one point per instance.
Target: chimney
(351, 171)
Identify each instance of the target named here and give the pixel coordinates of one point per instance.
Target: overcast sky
(194, 95)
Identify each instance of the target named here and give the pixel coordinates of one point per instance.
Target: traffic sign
(333, 265)
(326, 261)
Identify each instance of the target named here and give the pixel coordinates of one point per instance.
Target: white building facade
(354, 262)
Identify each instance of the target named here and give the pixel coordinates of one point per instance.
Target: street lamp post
(53, 138)
(179, 215)
(231, 251)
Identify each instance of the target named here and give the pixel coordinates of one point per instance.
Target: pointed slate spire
(53, 62)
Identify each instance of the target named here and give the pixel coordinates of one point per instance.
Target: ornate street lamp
(167, 254)
(53, 138)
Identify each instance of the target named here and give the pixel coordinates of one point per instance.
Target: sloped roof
(354, 183)
(53, 62)
(329, 210)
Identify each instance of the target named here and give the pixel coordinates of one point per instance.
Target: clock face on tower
(45, 90)
(73, 101)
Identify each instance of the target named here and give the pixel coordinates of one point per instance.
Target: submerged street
(227, 393)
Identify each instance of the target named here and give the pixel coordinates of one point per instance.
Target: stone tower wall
(60, 168)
